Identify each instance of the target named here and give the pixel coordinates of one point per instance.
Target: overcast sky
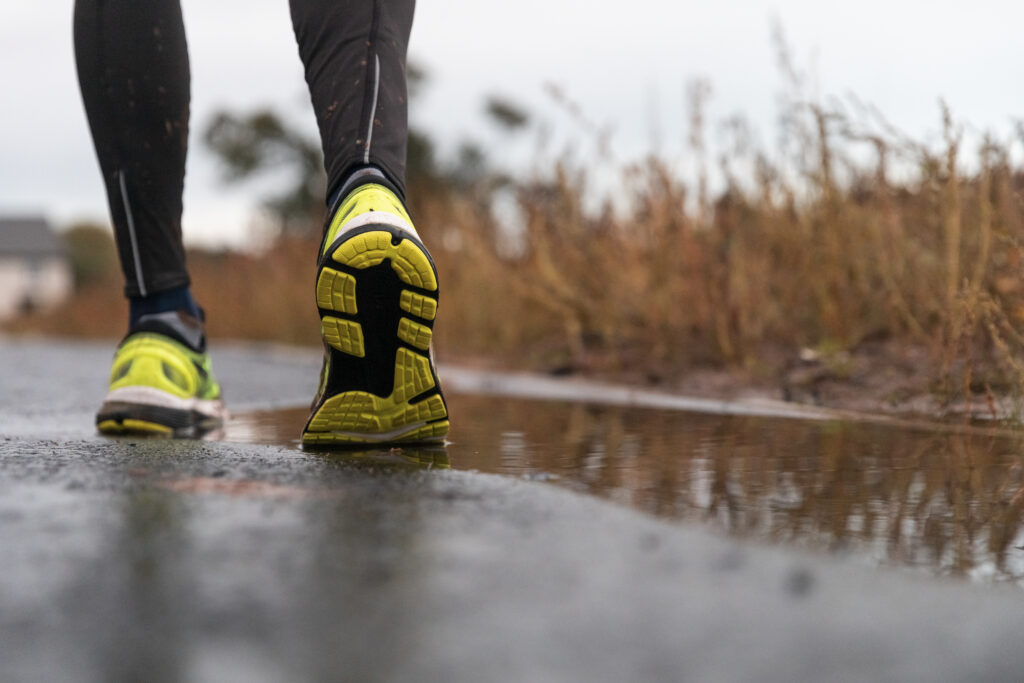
(626, 64)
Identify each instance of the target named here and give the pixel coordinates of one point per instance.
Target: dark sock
(177, 299)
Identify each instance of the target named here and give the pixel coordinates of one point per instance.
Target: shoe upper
(166, 351)
(178, 325)
(369, 204)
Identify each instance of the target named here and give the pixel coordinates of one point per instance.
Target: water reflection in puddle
(946, 502)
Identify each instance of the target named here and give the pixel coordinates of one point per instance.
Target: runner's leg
(134, 74)
(354, 55)
(376, 285)
(133, 71)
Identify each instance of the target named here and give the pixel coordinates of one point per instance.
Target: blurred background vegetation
(849, 235)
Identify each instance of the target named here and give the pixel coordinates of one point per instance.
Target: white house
(34, 269)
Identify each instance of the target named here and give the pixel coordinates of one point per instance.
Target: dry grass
(665, 283)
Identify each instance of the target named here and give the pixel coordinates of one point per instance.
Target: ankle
(357, 177)
(176, 299)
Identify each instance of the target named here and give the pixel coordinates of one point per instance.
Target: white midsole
(155, 397)
(377, 218)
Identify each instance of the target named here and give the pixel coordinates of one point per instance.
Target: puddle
(945, 503)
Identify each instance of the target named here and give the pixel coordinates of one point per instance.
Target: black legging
(133, 69)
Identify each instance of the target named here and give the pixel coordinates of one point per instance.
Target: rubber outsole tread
(118, 419)
(432, 433)
(336, 291)
(381, 340)
(418, 305)
(344, 335)
(414, 334)
(407, 259)
(129, 426)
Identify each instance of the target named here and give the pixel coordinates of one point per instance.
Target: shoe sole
(145, 411)
(377, 292)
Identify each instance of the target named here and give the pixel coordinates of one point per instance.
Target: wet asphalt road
(125, 560)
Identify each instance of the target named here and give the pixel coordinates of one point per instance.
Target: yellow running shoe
(376, 290)
(161, 382)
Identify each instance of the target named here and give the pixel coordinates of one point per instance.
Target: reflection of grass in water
(951, 503)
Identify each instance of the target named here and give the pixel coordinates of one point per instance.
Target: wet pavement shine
(702, 556)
